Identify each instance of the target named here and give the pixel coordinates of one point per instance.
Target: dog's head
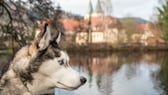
(47, 62)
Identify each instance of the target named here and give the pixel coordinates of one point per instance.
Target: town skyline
(133, 8)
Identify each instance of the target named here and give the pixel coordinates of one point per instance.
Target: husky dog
(40, 67)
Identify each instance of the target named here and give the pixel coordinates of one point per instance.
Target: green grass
(6, 51)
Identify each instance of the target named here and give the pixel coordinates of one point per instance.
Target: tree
(40, 9)
(163, 19)
(130, 25)
(17, 17)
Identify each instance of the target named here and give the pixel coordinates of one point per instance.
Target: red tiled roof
(70, 24)
(143, 26)
(102, 22)
(97, 22)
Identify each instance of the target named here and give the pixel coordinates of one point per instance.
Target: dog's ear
(43, 38)
(57, 37)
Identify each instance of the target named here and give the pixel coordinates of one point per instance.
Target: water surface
(118, 73)
(121, 73)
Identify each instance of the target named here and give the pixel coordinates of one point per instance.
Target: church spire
(99, 8)
(90, 10)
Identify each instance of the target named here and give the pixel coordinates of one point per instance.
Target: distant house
(148, 36)
(81, 38)
(71, 26)
(145, 36)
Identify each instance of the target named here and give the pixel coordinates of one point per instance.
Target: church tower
(90, 10)
(94, 13)
(99, 9)
(99, 12)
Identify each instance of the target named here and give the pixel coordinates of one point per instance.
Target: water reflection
(163, 76)
(136, 79)
(119, 73)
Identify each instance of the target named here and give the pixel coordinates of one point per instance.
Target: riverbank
(107, 48)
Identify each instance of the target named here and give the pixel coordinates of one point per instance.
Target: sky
(145, 9)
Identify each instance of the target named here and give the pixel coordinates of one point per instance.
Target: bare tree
(18, 17)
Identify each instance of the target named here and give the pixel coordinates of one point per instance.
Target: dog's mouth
(68, 87)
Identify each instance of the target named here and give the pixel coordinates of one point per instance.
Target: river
(119, 73)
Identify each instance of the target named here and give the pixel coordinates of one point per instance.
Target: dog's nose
(83, 80)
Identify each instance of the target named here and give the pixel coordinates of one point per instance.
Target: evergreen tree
(163, 19)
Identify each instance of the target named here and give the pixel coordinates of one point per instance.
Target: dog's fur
(40, 67)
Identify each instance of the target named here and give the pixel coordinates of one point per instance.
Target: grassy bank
(6, 51)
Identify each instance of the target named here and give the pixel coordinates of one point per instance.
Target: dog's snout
(83, 80)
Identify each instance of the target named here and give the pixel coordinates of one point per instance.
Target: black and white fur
(40, 67)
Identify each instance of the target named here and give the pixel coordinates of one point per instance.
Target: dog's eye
(61, 62)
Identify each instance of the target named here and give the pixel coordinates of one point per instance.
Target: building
(101, 28)
(105, 29)
(149, 36)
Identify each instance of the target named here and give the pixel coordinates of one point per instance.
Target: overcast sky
(121, 8)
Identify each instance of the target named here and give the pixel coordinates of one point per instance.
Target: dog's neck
(40, 84)
(11, 84)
